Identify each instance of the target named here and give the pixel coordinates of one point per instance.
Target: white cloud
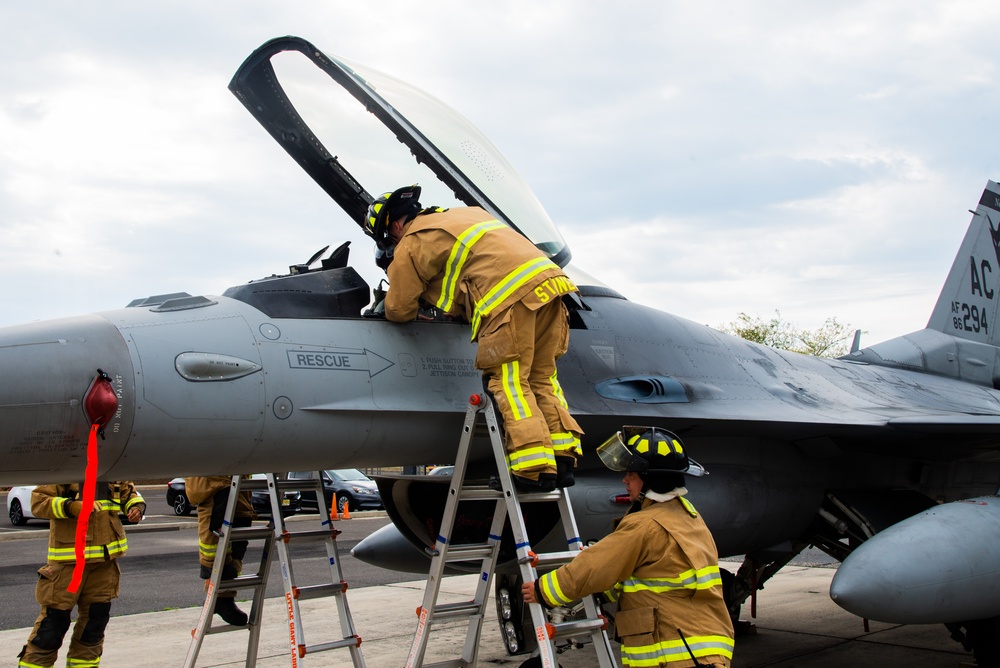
(815, 159)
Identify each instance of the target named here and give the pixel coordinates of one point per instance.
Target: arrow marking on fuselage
(345, 359)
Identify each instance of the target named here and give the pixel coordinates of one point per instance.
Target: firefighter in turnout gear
(466, 263)
(660, 563)
(106, 542)
(211, 494)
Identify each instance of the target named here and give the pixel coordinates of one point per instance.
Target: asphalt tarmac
(796, 625)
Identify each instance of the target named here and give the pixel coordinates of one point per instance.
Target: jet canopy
(303, 98)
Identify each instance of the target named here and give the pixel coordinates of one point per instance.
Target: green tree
(833, 339)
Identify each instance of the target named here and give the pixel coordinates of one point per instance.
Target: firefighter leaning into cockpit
(464, 262)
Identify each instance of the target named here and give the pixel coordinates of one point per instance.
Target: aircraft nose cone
(48, 368)
(942, 565)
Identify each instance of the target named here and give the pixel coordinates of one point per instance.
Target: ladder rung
(314, 536)
(479, 493)
(225, 628)
(555, 558)
(353, 641)
(241, 582)
(469, 552)
(320, 590)
(451, 610)
(454, 663)
(579, 627)
(250, 533)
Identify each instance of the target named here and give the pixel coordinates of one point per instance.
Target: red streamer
(88, 494)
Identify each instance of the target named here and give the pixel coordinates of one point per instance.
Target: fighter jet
(293, 372)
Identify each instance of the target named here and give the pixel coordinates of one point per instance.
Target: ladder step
(320, 590)
(314, 536)
(241, 582)
(250, 533)
(225, 628)
(453, 610)
(579, 627)
(479, 493)
(555, 558)
(468, 552)
(353, 641)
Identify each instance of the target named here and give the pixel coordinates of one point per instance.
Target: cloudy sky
(703, 158)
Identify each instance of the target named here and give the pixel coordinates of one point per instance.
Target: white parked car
(19, 505)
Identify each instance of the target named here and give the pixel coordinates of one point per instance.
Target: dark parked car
(352, 488)
(177, 499)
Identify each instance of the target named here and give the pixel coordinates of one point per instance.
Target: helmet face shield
(615, 454)
(618, 456)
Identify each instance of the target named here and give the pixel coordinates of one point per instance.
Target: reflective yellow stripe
(508, 286)
(703, 578)
(688, 506)
(515, 393)
(136, 498)
(527, 458)
(565, 443)
(59, 508)
(675, 650)
(549, 585)
(82, 663)
(25, 664)
(110, 505)
(558, 391)
(456, 260)
(90, 552)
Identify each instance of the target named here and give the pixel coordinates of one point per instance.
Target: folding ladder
(507, 505)
(277, 538)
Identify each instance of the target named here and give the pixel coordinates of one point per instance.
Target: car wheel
(181, 505)
(17, 517)
(343, 503)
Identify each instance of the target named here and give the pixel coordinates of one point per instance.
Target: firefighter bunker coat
(661, 565)
(106, 542)
(466, 263)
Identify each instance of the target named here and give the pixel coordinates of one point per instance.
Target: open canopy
(303, 98)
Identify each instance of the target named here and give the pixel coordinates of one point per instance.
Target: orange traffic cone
(333, 510)
(347, 512)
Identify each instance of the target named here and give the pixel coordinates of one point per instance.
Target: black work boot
(564, 472)
(226, 608)
(545, 483)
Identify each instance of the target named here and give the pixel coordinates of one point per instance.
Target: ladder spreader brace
(507, 505)
(276, 538)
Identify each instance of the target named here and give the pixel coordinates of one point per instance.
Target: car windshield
(347, 474)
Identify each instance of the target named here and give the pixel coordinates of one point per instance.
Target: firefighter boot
(226, 608)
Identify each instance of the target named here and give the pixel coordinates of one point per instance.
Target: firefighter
(660, 563)
(466, 263)
(106, 542)
(211, 494)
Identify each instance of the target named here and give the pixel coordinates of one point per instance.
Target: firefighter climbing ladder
(507, 505)
(277, 539)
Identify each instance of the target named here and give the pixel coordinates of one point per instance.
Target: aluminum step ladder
(276, 540)
(507, 505)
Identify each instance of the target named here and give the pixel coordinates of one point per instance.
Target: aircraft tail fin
(967, 307)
